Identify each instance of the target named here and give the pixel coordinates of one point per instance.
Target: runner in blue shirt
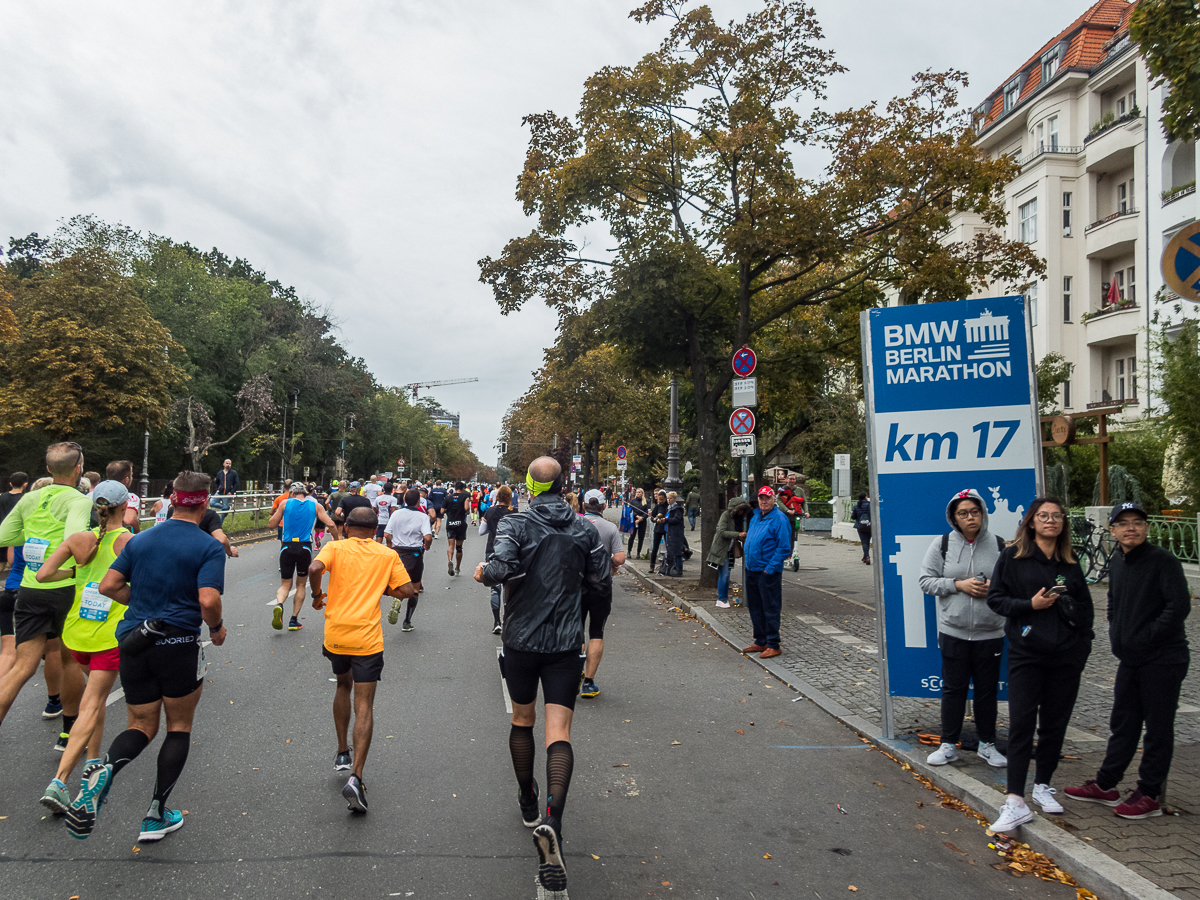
(299, 515)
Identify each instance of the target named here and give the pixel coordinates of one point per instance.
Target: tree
(1053, 370)
(191, 416)
(1168, 34)
(688, 159)
(1180, 392)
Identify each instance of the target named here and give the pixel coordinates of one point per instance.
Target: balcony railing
(1066, 151)
(1110, 122)
(1172, 196)
(1111, 218)
(1106, 308)
(1100, 404)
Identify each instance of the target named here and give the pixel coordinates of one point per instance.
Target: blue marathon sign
(951, 405)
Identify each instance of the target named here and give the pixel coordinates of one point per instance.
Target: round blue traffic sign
(1181, 263)
(744, 362)
(741, 422)
(620, 453)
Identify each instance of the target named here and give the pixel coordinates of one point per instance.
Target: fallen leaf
(920, 826)
(185, 812)
(767, 856)
(620, 766)
(852, 888)
(288, 741)
(952, 847)
(594, 856)
(666, 884)
(137, 849)
(739, 731)
(677, 743)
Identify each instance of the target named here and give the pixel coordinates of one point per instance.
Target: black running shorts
(362, 669)
(456, 531)
(414, 562)
(439, 513)
(294, 559)
(8, 601)
(174, 667)
(559, 673)
(41, 611)
(596, 612)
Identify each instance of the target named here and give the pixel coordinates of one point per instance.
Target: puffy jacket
(768, 541)
(1148, 599)
(675, 536)
(1040, 632)
(549, 558)
(729, 527)
(959, 614)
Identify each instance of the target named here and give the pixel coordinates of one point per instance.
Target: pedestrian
(360, 571)
(1148, 601)
(297, 518)
(768, 545)
(1038, 586)
(860, 515)
(595, 614)
(956, 572)
(640, 513)
(170, 578)
(693, 507)
(552, 562)
(674, 539)
(658, 515)
(726, 545)
(491, 521)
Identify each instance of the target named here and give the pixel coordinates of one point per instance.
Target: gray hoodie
(961, 615)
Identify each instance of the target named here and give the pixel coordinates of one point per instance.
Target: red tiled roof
(1088, 37)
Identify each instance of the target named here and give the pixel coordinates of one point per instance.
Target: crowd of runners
(90, 597)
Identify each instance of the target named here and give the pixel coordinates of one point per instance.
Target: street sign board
(622, 465)
(1181, 263)
(841, 460)
(951, 404)
(400, 469)
(400, 461)
(741, 445)
(621, 452)
(744, 362)
(577, 459)
(673, 438)
(742, 422)
(745, 392)
(306, 471)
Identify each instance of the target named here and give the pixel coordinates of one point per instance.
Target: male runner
(359, 571)
(597, 613)
(41, 521)
(437, 499)
(385, 503)
(122, 471)
(170, 577)
(550, 559)
(352, 501)
(372, 488)
(409, 534)
(456, 527)
(299, 515)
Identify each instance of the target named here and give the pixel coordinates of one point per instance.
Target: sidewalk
(829, 635)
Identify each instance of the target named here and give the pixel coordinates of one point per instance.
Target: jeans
(691, 514)
(864, 538)
(764, 599)
(1146, 695)
(963, 662)
(496, 604)
(723, 581)
(1041, 696)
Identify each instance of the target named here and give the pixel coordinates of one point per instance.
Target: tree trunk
(706, 452)
(193, 450)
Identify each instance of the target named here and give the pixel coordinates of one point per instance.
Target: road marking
(504, 686)
(847, 747)
(115, 696)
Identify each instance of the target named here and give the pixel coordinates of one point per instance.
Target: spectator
(673, 564)
(768, 545)
(1038, 587)
(659, 516)
(861, 517)
(637, 503)
(971, 637)
(1148, 599)
(731, 528)
(693, 507)
(227, 484)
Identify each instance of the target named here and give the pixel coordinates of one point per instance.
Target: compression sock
(125, 748)
(520, 745)
(408, 610)
(171, 758)
(560, 762)
(68, 721)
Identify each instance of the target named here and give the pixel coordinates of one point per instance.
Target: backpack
(1000, 545)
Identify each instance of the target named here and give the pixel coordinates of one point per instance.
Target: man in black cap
(1148, 600)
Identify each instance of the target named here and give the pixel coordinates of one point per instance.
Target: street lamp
(672, 482)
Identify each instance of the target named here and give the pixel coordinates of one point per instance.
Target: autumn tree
(1168, 34)
(689, 159)
(193, 420)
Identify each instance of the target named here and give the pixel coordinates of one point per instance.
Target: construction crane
(428, 384)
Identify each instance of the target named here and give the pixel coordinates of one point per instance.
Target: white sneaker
(1043, 796)
(721, 604)
(1014, 813)
(990, 755)
(942, 755)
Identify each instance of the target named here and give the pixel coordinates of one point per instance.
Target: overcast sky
(367, 152)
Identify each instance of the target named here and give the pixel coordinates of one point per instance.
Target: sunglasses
(74, 446)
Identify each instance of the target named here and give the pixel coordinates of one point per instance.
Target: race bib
(160, 516)
(36, 550)
(201, 662)
(93, 605)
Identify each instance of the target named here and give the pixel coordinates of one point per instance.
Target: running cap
(354, 485)
(766, 491)
(334, 482)
(297, 488)
(594, 496)
(109, 494)
(1124, 508)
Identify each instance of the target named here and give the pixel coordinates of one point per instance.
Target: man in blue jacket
(768, 545)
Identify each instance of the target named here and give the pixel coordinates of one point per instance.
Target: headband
(541, 487)
(191, 498)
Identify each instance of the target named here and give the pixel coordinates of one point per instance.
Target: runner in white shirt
(409, 534)
(372, 488)
(384, 504)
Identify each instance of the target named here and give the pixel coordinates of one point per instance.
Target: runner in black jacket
(548, 558)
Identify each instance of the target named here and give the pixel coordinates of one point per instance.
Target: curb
(1093, 870)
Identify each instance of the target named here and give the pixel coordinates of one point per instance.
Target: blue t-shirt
(14, 574)
(437, 497)
(299, 517)
(166, 566)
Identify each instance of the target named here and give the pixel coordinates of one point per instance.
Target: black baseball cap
(1124, 508)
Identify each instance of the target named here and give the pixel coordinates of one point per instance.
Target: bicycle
(1091, 548)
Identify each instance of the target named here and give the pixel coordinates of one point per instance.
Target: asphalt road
(695, 776)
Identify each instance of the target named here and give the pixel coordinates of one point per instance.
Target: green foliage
(1122, 487)
(1168, 34)
(1052, 371)
(1180, 392)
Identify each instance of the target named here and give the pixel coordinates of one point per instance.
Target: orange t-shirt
(359, 572)
(275, 503)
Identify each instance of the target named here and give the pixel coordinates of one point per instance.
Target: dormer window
(1012, 93)
(1049, 65)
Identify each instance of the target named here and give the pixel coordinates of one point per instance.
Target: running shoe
(53, 709)
(531, 812)
(450, 568)
(343, 762)
(1091, 792)
(81, 817)
(355, 793)
(56, 799)
(294, 624)
(60, 745)
(157, 829)
(589, 689)
(1138, 806)
(989, 754)
(496, 629)
(407, 626)
(277, 617)
(394, 613)
(552, 873)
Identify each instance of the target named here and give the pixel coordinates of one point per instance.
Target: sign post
(951, 405)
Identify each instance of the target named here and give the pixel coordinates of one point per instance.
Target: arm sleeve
(725, 530)
(506, 560)
(783, 535)
(1173, 586)
(932, 566)
(1000, 598)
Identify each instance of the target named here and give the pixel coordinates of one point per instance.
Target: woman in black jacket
(860, 514)
(1039, 588)
(658, 515)
(675, 536)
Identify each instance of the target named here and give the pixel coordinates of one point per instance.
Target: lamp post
(672, 482)
(145, 480)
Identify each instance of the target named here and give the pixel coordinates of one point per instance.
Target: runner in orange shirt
(360, 570)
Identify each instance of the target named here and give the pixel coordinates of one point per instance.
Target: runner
(299, 515)
(89, 635)
(372, 488)
(385, 503)
(40, 521)
(596, 612)
(359, 571)
(161, 507)
(456, 527)
(437, 499)
(170, 577)
(476, 496)
(409, 534)
(551, 560)
(491, 520)
(12, 557)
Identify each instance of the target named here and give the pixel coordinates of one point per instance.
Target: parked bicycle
(1092, 548)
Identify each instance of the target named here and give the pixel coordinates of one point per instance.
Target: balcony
(1056, 151)
(1112, 146)
(1178, 193)
(1112, 236)
(1112, 324)
(1103, 404)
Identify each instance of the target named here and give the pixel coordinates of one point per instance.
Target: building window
(1031, 297)
(1132, 377)
(1125, 197)
(1067, 394)
(1052, 132)
(1130, 287)
(1041, 138)
(1120, 276)
(1011, 94)
(1049, 67)
(1120, 107)
(1066, 298)
(1120, 379)
(1066, 213)
(1028, 216)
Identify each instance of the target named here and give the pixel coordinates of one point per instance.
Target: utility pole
(576, 453)
(672, 482)
(145, 482)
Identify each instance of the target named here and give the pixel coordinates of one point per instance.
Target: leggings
(640, 533)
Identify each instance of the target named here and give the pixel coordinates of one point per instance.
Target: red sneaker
(1138, 806)
(1090, 792)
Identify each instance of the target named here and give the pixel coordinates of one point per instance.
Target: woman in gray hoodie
(956, 571)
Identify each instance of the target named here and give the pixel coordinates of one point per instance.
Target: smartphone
(1057, 591)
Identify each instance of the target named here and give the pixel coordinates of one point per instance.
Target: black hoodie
(1040, 632)
(1148, 599)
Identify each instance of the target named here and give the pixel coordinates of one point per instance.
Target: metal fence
(1177, 534)
(239, 512)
